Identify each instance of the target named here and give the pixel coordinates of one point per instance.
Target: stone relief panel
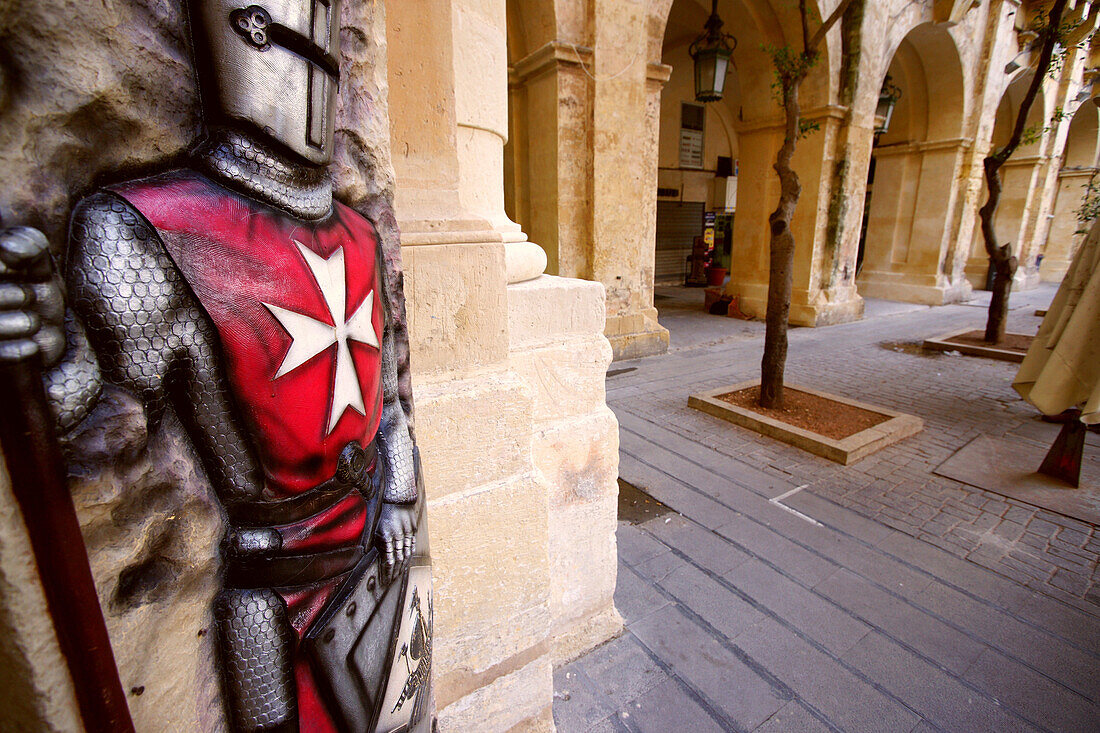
(230, 370)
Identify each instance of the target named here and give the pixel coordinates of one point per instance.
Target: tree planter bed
(969, 342)
(890, 428)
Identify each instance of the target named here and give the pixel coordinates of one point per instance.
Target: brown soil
(1018, 342)
(819, 415)
(636, 506)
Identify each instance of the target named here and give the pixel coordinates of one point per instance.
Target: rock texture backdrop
(97, 92)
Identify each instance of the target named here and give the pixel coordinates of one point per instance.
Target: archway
(531, 154)
(1020, 183)
(697, 152)
(1079, 169)
(913, 183)
(725, 173)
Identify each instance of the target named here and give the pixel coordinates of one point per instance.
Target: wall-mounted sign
(691, 148)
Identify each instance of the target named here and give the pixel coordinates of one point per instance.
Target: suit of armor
(239, 294)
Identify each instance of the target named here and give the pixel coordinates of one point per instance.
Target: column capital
(778, 121)
(549, 57)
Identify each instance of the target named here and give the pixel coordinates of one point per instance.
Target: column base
(634, 335)
(1026, 279)
(587, 635)
(910, 289)
(753, 301)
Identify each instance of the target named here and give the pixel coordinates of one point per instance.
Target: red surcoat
(245, 263)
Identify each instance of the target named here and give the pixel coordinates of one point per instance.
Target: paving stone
(704, 547)
(1048, 650)
(620, 670)
(1069, 582)
(1043, 527)
(1018, 594)
(635, 545)
(668, 707)
(1032, 694)
(804, 565)
(813, 615)
(635, 597)
(976, 580)
(848, 701)
(673, 493)
(903, 621)
(792, 718)
(1072, 537)
(607, 725)
(577, 707)
(716, 672)
(837, 516)
(718, 606)
(937, 696)
(660, 567)
(1069, 623)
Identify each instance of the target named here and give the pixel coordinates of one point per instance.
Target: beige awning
(1062, 367)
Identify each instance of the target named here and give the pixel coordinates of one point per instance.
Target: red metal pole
(35, 465)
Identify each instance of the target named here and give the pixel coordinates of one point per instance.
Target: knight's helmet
(270, 67)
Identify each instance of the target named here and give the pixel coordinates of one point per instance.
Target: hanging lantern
(887, 99)
(711, 52)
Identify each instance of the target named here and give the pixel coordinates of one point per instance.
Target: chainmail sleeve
(151, 337)
(74, 384)
(395, 440)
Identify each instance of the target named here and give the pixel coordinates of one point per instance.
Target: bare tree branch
(819, 36)
(804, 21)
(1001, 259)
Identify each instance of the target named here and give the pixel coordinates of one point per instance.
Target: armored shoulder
(129, 294)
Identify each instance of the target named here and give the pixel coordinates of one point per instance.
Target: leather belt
(281, 571)
(355, 469)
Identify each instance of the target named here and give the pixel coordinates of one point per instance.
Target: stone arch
(913, 182)
(749, 110)
(531, 155)
(1020, 179)
(1079, 168)
(1083, 139)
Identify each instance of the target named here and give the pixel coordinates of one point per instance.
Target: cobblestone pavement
(897, 601)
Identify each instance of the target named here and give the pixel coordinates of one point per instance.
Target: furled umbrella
(1061, 371)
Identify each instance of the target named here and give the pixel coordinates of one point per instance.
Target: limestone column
(481, 118)
(1039, 222)
(758, 194)
(551, 91)
(1022, 190)
(624, 154)
(1064, 237)
(558, 347)
(519, 447)
(912, 223)
(487, 504)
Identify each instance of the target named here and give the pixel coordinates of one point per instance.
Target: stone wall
(519, 448)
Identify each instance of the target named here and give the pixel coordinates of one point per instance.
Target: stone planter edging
(845, 451)
(941, 343)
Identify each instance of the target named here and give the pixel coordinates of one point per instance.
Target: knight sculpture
(236, 292)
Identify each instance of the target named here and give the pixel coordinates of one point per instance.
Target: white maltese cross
(309, 337)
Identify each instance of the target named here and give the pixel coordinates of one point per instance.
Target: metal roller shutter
(678, 223)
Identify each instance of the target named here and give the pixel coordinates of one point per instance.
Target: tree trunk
(1001, 259)
(781, 254)
(781, 261)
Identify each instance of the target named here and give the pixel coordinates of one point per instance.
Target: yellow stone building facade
(601, 111)
(565, 133)
(534, 155)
